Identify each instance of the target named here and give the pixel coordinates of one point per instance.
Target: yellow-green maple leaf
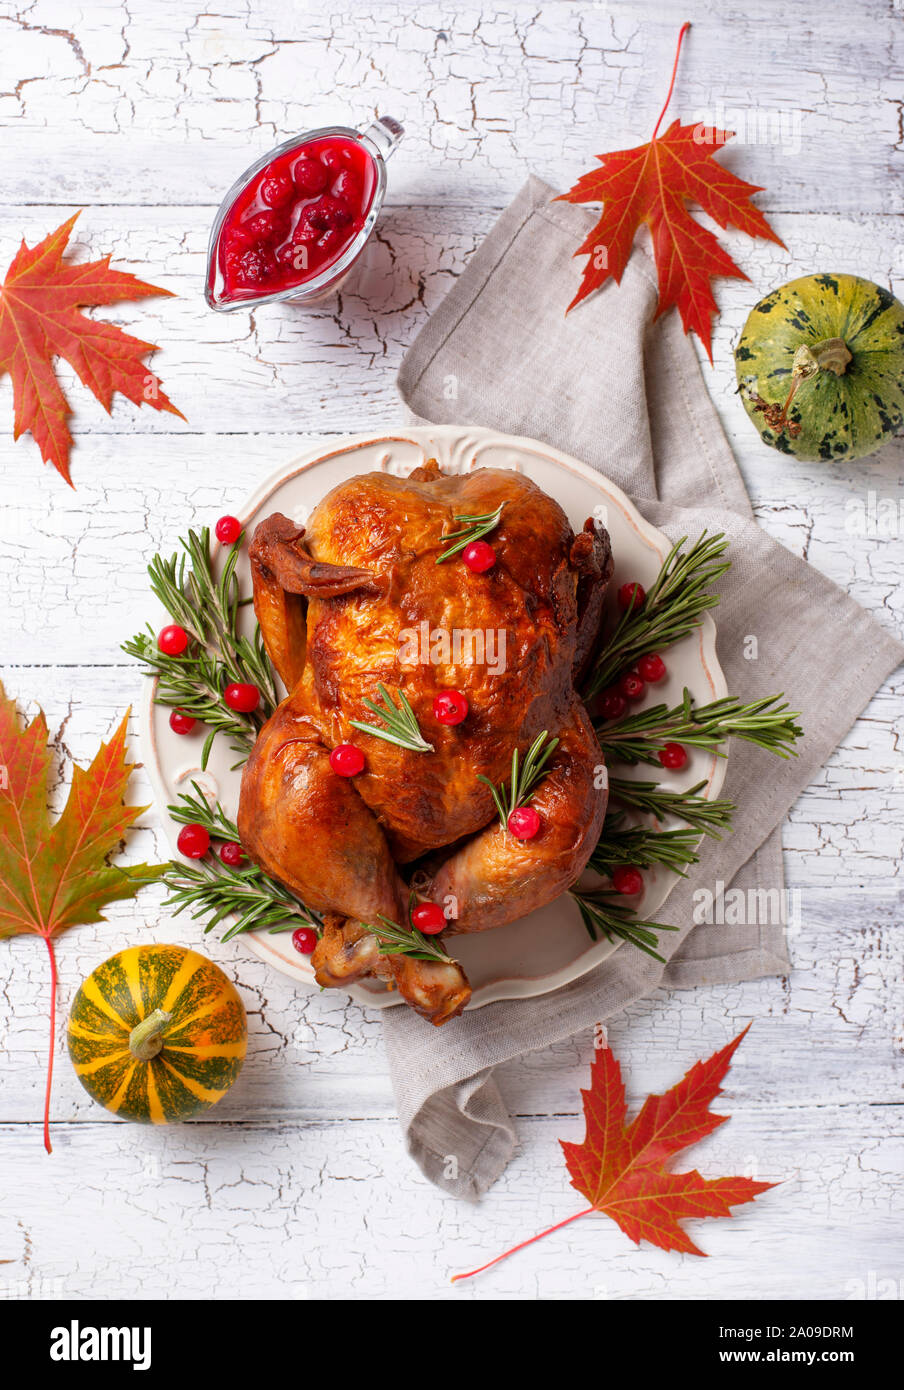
(55, 874)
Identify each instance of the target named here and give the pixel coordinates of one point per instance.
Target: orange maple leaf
(56, 875)
(40, 320)
(653, 183)
(620, 1168)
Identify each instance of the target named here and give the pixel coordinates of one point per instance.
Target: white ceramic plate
(549, 947)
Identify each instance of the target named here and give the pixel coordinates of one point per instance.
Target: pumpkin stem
(831, 355)
(145, 1039)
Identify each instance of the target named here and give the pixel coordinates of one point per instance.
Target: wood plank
(331, 370)
(485, 95)
(310, 1211)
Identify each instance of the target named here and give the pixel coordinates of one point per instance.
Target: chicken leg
(311, 830)
(495, 878)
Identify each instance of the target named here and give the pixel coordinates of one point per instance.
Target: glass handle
(384, 133)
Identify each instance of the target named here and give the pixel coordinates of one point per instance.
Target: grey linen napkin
(626, 395)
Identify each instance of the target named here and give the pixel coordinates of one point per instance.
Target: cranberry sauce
(296, 217)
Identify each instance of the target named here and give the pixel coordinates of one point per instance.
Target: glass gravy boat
(376, 143)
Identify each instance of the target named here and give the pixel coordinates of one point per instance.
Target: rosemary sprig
(524, 776)
(649, 797)
(474, 529)
(640, 737)
(401, 723)
(671, 610)
(194, 683)
(405, 941)
(207, 606)
(642, 847)
(197, 810)
(600, 913)
(216, 890)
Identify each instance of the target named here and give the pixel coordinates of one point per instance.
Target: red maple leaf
(653, 183)
(40, 319)
(621, 1168)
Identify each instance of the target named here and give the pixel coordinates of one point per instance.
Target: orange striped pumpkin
(157, 1034)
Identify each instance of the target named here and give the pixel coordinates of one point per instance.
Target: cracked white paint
(298, 1185)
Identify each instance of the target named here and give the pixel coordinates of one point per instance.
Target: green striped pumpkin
(820, 367)
(157, 1033)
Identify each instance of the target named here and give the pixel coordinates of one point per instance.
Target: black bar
(273, 1339)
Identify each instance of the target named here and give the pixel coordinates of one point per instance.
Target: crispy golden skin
(358, 600)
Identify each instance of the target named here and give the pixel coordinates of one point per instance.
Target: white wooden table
(298, 1185)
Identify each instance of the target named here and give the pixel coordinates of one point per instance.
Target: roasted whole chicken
(358, 601)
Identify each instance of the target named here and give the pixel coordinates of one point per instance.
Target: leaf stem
(684, 28)
(53, 995)
(515, 1248)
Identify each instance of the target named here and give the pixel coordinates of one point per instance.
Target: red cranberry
(305, 230)
(304, 940)
(479, 556)
(651, 667)
(312, 216)
(612, 704)
(450, 707)
(276, 190)
(242, 696)
(310, 176)
(235, 241)
(172, 640)
(523, 823)
(267, 226)
(254, 266)
(632, 686)
(673, 756)
(428, 918)
(228, 529)
(181, 723)
(631, 595)
(627, 880)
(329, 212)
(347, 760)
(193, 841)
(232, 854)
(334, 158)
(347, 187)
